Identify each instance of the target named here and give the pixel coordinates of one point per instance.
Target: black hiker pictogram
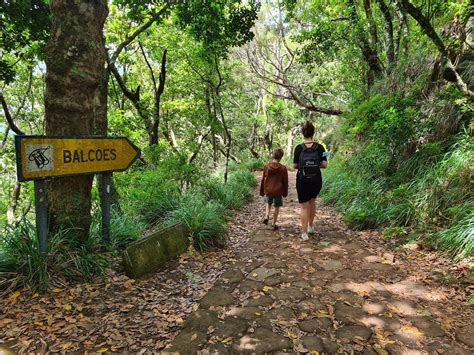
(39, 157)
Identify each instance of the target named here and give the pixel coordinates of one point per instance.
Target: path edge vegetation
(399, 129)
(203, 204)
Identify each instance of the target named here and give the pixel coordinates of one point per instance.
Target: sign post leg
(41, 216)
(105, 206)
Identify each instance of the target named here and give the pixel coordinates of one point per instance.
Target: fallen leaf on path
(412, 330)
(13, 297)
(66, 346)
(379, 350)
(227, 340)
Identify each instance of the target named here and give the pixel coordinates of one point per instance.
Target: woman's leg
(304, 216)
(312, 211)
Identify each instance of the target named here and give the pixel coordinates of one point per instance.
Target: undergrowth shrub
(234, 194)
(206, 220)
(124, 228)
(406, 163)
(255, 164)
(149, 194)
(458, 238)
(146, 197)
(205, 210)
(68, 259)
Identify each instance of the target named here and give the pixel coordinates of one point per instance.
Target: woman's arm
(296, 157)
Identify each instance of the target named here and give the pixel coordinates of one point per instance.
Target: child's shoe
(265, 221)
(304, 236)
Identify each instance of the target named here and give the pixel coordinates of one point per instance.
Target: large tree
(75, 64)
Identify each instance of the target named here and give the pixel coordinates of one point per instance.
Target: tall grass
(147, 197)
(67, 258)
(428, 192)
(458, 238)
(206, 220)
(206, 209)
(124, 228)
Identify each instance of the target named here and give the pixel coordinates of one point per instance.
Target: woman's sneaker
(311, 230)
(275, 227)
(304, 236)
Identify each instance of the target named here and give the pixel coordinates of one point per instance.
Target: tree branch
(152, 74)
(8, 116)
(283, 82)
(133, 96)
(138, 31)
(426, 26)
(200, 141)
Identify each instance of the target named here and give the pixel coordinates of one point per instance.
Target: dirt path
(340, 293)
(332, 294)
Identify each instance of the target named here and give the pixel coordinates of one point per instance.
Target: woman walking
(309, 158)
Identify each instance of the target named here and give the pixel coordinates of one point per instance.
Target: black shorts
(308, 190)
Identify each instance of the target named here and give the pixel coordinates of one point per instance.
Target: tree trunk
(368, 52)
(389, 44)
(401, 42)
(211, 111)
(290, 141)
(75, 58)
(157, 91)
(371, 22)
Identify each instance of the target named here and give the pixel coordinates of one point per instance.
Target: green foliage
(204, 204)
(205, 219)
(234, 194)
(149, 194)
(25, 30)
(220, 24)
(458, 238)
(255, 164)
(124, 228)
(67, 259)
(205, 210)
(383, 182)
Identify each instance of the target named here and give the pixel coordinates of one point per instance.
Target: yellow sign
(41, 156)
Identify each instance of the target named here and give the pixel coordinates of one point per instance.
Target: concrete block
(149, 254)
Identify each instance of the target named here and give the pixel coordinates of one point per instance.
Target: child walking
(274, 186)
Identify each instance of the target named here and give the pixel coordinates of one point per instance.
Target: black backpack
(308, 163)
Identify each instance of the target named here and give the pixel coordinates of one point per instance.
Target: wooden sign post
(41, 157)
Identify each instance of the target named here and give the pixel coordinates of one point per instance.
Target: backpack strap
(303, 147)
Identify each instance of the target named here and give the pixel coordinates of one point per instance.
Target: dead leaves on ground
(118, 314)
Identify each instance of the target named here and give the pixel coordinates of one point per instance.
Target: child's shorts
(276, 201)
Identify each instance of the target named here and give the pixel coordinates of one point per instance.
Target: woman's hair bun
(308, 129)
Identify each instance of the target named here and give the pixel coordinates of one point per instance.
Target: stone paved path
(329, 294)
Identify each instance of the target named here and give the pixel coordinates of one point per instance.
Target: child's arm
(285, 183)
(262, 189)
